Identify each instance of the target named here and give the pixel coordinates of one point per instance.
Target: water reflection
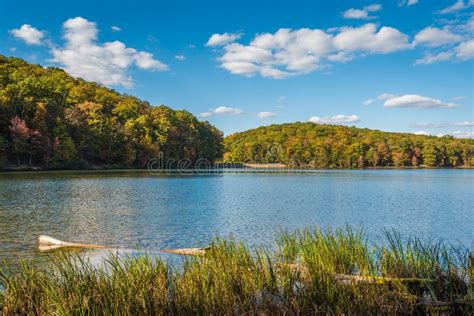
(139, 210)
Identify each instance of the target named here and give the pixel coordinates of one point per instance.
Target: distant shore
(218, 167)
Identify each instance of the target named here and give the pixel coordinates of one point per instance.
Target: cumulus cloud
(457, 6)
(362, 14)
(107, 63)
(28, 34)
(368, 102)
(416, 101)
(180, 57)
(290, 52)
(454, 39)
(223, 39)
(115, 28)
(367, 39)
(432, 36)
(337, 119)
(266, 114)
(429, 58)
(220, 111)
(465, 50)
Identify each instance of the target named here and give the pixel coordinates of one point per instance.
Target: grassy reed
(310, 271)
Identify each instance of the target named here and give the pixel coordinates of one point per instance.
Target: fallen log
(348, 279)
(187, 251)
(49, 243)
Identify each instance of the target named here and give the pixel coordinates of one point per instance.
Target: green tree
(430, 154)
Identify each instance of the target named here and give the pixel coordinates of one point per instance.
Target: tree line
(52, 120)
(335, 146)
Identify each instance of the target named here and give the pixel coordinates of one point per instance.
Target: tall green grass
(308, 272)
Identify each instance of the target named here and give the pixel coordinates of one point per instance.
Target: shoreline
(222, 170)
(217, 168)
(309, 270)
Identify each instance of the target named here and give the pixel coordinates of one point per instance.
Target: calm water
(129, 209)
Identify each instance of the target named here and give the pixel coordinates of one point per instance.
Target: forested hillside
(52, 120)
(49, 119)
(323, 146)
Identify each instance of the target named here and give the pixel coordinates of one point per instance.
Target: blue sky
(242, 64)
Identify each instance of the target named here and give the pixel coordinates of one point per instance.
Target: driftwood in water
(354, 279)
(49, 243)
(187, 251)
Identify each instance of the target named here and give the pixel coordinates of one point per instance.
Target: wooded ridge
(51, 120)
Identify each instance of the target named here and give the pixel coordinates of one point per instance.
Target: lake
(135, 209)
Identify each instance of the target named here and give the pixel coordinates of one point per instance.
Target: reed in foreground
(310, 271)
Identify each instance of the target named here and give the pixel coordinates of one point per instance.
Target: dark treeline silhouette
(52, 120)
(334, 146)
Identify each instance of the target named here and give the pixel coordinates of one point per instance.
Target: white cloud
(463, 134)
(29, 34)
(337, 119)
(180, 57)
(386, 96)
(416, 101)
(468, 26)
(145, 60)
(223, 39)
(341, 57)
(220, 111)
(368, 102)
(107, 63)
(459, 98)
(465, 50)
(373, 7)
(115, 28)
(294, 52)
(464, 124)
(421, 133)
(227, 110)
(407, 3)
(432, 36)
(457, 32)
(362, 14)
(356, 14)
(266, 114)
(366, 38)
(205, 114)
(430, 59)
(457, 6)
